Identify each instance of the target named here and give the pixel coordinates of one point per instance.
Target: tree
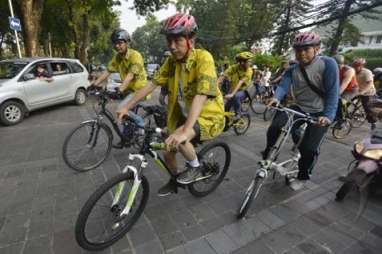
(148, 40)
(342, 8)
(293, 13)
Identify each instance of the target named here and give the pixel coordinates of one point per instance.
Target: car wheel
(11, 113)
(80, 97)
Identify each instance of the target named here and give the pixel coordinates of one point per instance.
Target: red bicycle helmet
(359, 61)
(179, 24)
(306, 39)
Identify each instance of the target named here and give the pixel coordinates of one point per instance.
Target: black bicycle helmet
(120, 35)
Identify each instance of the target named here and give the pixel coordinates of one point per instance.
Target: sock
(194, 163)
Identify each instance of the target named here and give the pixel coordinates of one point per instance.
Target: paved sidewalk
(41, 198)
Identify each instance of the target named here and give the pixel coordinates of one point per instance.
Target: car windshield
(9, 70)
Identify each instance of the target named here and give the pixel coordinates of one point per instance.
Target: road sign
(14, 23)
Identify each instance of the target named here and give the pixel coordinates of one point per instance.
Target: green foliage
(267, 60)
(149, 42)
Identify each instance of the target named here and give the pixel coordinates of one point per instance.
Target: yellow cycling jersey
(235, 74)
(133, 63)
(183, 82)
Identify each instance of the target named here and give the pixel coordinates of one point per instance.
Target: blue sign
(14, 23)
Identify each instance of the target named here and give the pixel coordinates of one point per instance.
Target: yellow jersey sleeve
(113, 65)
(206, 75)
(161, 77)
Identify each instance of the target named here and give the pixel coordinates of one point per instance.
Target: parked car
(114, 81)
(23, 89)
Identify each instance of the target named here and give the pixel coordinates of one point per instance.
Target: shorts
(196, 140)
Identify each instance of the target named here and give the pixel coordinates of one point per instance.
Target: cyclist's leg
(370, 117)
(228, 105)
(309, 149)
(239, 96)
(274, 131)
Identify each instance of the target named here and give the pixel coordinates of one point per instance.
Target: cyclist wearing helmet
(195, 104)
(378, 77)
(348, 86)
(320, 100)
(130, 66)
(366, 88)
(239, 76)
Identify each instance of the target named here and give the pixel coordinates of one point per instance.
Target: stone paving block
(202, 212)
(320, 218)
(141, 234)
(177, 250)
(360, 247)
(306, 226)
(285, 213)
(373, 241)
(172, 240)
(39, 229)
(40, 245)
(64, 243)
(13, 235)
(257, 246)
(122, 245)
(284, 238)
(164, 225)
(311, 247)
(151, 247)
(270, 219)
(334, 241)
(194, 232)
(199, 246)
(183, 219)
(241, 233)
(12, 249)
(221, 242)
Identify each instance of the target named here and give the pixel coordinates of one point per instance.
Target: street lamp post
(17, 37)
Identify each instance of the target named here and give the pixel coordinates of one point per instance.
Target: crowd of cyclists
(198, 97)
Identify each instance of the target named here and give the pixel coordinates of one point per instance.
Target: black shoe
(190, 175)
(168, 188)
(264, 153)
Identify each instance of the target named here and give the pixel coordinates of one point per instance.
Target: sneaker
(167, 189)
(190, 175)
(297, 184)
(119, 145)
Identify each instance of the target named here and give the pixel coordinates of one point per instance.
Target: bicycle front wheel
(250, 194)
(257, 105)
(100, 222)
(268, 114)
(242, 125)
(358, 117)
(341, 130)
(215, 159)
(87, 146)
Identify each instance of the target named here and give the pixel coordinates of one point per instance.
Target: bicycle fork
(134, 188)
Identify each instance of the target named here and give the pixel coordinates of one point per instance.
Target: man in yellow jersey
(240, 76)
(195, 104)
(130, 66)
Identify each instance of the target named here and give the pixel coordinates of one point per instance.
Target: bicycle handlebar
(305, 117)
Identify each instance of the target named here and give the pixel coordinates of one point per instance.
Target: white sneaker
(297, 184)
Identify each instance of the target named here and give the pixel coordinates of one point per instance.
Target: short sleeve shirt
(133, 63)
(234, 74)
(363, 79)
(197, 76)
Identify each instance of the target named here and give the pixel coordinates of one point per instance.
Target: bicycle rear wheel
(215, 159)
(245, 105)
(250, 194)
(87, 146)
(242, 125)
(358, 117)
(100, 223)
(341, 130)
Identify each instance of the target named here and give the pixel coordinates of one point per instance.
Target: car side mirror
(28, 76)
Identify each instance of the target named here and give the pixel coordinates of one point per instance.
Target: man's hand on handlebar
(273, 102)
(324, 121)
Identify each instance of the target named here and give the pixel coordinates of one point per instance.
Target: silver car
(24, 87)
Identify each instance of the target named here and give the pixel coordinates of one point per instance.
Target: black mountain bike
(88, 145)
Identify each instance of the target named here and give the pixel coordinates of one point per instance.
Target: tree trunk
(31, 11)
(282, 43)
(85, 39)
(340, 28)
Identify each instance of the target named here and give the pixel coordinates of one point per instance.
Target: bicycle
(88, 145)
(355, 112)
(240, 125)
(287, 168)
(123, 198)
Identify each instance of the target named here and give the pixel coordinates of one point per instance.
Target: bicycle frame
(269, 163)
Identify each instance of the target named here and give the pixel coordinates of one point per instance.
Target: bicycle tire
(344, 131)
(83, 216)
(358, 117)
(268, 114)
(250, 194)
(202, 156)
(245, 105)
(247, 123)
(258, 106)
(71, 136)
